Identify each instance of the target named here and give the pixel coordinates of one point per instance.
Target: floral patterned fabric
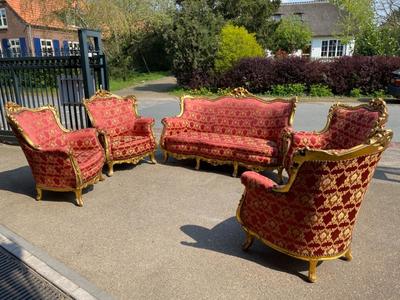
(348, 128)
(128, 135)
(315, 218)
(51, 159)
(243, 130)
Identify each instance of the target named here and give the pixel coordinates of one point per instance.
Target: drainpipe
(30, 38)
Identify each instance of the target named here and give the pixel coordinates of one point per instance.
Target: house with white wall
(323, 19)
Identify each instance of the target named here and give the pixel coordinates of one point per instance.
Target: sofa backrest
(247, 116)
(351, 126)
(38, 127)
(111, 113)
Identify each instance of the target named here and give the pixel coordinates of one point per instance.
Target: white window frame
(3, 18)
(277, 17)
(332, 48)
(72, 47)
(45, 46)
(15, 47)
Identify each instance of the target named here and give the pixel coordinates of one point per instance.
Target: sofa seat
(128, 146)
(224, 147)
(90, 162)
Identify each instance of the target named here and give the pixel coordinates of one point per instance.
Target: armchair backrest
(349, 126)
(37, 127)
(326, 189)
(111, 113)
(245, 116)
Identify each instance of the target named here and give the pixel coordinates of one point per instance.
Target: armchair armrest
(143, 126)
(176, 123)
(83, 139)
(253, 180)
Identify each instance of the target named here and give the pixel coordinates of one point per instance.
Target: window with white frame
(15, 47)
(3, 18)
(332, 48)
(47, 47)
(277, 17)
(73, 48)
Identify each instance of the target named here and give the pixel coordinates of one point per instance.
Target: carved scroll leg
(110, 169)
(348, 256)
(78, 195)
(39, 194)
(280, 175)
(101, 177)
(165, 156)
(235, 169)
(312, 271)
(153, 158)
(197, 163)
(248, 242)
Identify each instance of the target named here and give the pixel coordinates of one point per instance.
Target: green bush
(295, 89)
(235, 43)
(356, 93)
(320, 90)
(379, 94)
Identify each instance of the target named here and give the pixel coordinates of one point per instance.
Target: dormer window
(277, 17)
(3, 18)
(299, 15)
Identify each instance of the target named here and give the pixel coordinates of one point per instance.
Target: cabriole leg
(153, 158)
(101, 177)
(248, 242)
(165, 156)
(280, 175)
(78, 195)
(235, 168)
(197, 163)
(110, 169)
(39, 193)
(312, 271)
(348, 256)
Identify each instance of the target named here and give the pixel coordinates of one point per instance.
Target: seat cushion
(223, 147)
(90, 162)
(128, 146)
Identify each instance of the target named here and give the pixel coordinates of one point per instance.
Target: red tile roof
(39, 12)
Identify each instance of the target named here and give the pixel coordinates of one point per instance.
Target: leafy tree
(376, 40)
(291, 35)
(235, 43)
(193, 40)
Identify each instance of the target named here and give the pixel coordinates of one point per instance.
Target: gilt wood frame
(99, 95)
(238, 93)
(13, 109)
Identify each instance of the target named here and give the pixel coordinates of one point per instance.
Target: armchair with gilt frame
(126, 136)
(311, 217)
(60, 160)
(346, 127)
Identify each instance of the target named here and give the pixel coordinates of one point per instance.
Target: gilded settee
(60, 160)
(238, 129)
(346, 127)
(311, 217)
(126, 137)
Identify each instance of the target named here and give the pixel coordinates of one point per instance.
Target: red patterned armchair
(313, 215)
(347, 126)
(237, 129)
(60, 160)
(127, 137)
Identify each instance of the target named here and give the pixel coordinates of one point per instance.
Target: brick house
(27, 29)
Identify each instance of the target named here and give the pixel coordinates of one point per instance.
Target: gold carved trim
(134, 160)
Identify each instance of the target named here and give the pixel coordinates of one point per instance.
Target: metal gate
(61, 81)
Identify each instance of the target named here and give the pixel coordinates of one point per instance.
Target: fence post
(88, 85)
(17, 90)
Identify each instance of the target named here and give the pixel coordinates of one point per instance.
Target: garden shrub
(295, 89)
(235, 43)
(355, 93)
(320, 90)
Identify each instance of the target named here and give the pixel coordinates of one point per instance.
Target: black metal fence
(61, 81)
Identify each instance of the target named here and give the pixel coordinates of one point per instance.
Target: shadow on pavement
(388, 174)
(156, 87)
(226, 238)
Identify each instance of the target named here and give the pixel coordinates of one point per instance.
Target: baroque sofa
(346, 127)
(238, 129)
(311, 217)
(127, 137)
(60, 160)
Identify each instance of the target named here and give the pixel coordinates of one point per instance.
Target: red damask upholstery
(244, 131)
(313, 216)
(346, 127)
(60, 160)
(127, 137)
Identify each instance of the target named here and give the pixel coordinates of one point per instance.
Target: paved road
(155, 101)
